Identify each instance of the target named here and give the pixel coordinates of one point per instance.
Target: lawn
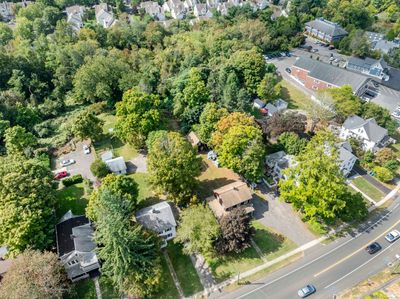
(184, 269)
(71, 198)
(167, 285)
(213, 177)
(145, 192)
(85, 289)
(368, 188)
(270, 243)
(295, 97)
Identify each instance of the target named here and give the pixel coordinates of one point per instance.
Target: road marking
(362, 265)
(357, 251)
(320, 257)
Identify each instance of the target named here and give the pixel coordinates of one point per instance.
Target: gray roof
(345, 154)
(374, 36)
(374, 132)
(331, 74)
(366, 62)
(116, 164)
(385, 46)
(108, 155)
(83, 238)
(331, 28)
(157, 217)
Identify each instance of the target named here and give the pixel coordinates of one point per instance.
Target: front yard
(85, 289)
(271, 245)
(71, 198)
(366, 187)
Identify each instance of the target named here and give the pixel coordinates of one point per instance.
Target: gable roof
(116, 164)
(344, 153)
(331, 74)
(374, 132)
(193, 139)
(327, 27)
(157, 217)
(233, 194)
(366, 62)
(67, 241)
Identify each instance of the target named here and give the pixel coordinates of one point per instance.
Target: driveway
(138, 164)
(82, 162)
(280, 216)
(371, 180)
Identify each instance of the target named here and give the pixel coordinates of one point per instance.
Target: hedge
(75, 179)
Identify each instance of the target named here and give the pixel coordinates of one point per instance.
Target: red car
(60, 175)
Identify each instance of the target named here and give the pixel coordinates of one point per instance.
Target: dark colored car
(60, 175)
(288, 70)
(373, 248)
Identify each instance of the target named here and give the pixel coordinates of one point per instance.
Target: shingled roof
(327, 27)
(233, 194)
(374, 132)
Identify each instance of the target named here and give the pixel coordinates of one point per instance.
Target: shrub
(75, 179)
(99, 168)
(383, 174)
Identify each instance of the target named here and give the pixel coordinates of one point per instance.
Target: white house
(158, 218)
(76, 248)
(153, 9)
(279, 161)
(277, 106)
(189, 4)
(104, 15)
(176, 8)
(346, 158)
(75, 15)
(200, 10)
(368, 132)
(116, 165)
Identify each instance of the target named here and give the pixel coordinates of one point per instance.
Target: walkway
(203, 271)
(173, 274)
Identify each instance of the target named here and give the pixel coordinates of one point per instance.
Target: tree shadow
(206, 187)
(130, 167)
(285, 94)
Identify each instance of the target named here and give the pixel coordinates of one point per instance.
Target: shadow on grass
(285, 94)
(71, 198)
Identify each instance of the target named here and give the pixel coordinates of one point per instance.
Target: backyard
(71, 198)
(167, 289)
(295, 97)
(270, 244)
(366, 187)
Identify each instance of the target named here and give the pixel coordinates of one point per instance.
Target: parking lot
(82, 162)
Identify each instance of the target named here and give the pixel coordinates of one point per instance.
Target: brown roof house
(194, 140)
(231, 196)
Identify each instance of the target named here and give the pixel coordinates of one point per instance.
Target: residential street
(331, 268)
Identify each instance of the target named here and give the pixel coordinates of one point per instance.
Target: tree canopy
(87, 125)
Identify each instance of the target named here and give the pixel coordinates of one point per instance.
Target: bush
(383, 174)
(75, 179)
(392, 165)
(99, 168)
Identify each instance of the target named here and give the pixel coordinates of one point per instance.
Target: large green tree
(87, 125)
(26, 204)
(138, 114)
(35, 274)
(315, 184)
(19, 142)
(198, 230)
(173, 167)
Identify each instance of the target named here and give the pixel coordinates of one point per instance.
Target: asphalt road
(331, 268)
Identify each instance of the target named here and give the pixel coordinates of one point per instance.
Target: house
(158, 218)
(223, 8)
(277, 162)
(104, 15)
(7, 10)
(369, 66)
(76, 248)
(189, 4)
(228, 197)
(317, 75)
(258, 104)
(271, 108)
(116, 165)
(201, 9)
(261, 4)
(212, 3)
(368, 132)
(108, 155)
(380, 43)
(346, 158)
(75, 15)
(153, 9)
(176, 8)
(195, 141)
(325, 30)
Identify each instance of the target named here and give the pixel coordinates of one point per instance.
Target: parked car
(283, 54)
(373, 248)
(392, 236)
(331, 58)
(314, 50)
(288, 70)
(67, 162)
(60, 175)
(306, 291)
(336, 60)
(331, 47)
(86, 149)
(396, 114)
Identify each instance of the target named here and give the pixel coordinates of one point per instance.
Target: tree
(268, 89)
(123, 186)
(138, 114)
(393, 57)
(130, 255)
(26, 204)
(383, 155)
(198, 230)
(285, 122)
(236, 232)
(383, 174)
(87, 125)
(315, 184)
(99, 168)
(173, 167)
(345, 102)
(381, 115)
(6, 34)
(208, 120)
(154, 136)
(18, 141)
(35, 274)
(291, 143)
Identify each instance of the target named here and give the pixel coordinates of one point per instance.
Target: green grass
(167, 286)
(271, 244)
(184, 269)
(368, 188)
(145, 192)
(71, 198)
(295, 97)
(85, 289)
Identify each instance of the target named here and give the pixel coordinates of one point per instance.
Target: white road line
(362, 265)
(320, 257)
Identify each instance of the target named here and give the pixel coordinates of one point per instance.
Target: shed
(117, 165)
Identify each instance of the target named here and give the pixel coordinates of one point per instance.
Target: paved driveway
(280, 216)
(82, 164)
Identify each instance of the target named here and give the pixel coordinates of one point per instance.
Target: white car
(396, 114)
(306, 291)
(67, 162)
(392, 236)
(86, 149)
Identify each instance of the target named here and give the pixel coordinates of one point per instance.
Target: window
(73, 262)
(167, 230)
